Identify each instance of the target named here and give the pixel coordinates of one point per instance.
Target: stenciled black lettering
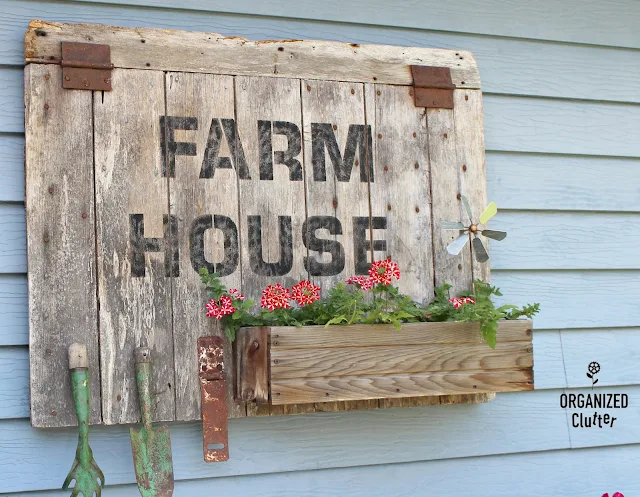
(358, 138)
(229, 230)
(286, 157)
(140, 245)
(212, 159)
(285, 241)
(170, 147)
(563, 401)
(361, 243)
(323, 245)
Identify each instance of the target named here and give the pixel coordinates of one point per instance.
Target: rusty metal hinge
(213, 389)
(86, 66)
(432, 87)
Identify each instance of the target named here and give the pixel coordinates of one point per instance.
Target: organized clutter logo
(593, 401)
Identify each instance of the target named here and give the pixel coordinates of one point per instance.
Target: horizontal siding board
(13, 242)
(561, 182)
(566, 473)
(12, 168)
(514, 180)
(507, 66)
(13, 310)
(546, 19)
(616, 350)
(606, 299)
(561, 126)
(574, 299)
(535, 240)
(574, 240)
(560, 361)
(289, 443)
(14, 382)
(11, 100)
(511, 124)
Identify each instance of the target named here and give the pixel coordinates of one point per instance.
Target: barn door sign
(152, 153)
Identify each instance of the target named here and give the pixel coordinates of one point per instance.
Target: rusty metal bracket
(86, 66)
(432, 87)
(215, 433)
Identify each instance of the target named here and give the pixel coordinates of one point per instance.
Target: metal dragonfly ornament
(472, 231)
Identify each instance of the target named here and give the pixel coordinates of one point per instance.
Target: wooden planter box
(289, 365)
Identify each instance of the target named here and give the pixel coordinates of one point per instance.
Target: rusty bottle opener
(213, 389)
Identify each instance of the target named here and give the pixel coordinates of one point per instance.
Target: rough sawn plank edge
(171, 50)
(519, 330)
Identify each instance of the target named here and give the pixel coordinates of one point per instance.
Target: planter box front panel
(264, 161)
(353, 363)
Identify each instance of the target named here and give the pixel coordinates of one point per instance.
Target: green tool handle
(143, 380)
(79, 367)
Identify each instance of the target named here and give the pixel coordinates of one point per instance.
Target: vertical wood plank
(331, 107)
(470, 155)
(134, 310)
(208, 229)
(272, 202)
(455, 270)
(400, 190)
(61, 243)
(329, 111)
(469, 132)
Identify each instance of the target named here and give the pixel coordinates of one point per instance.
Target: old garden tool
(151, 447)
(456, 246)
(89, 480)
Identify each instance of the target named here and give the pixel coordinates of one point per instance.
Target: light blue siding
(560, 82)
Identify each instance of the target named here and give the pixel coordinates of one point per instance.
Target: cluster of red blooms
(383, 272)
(460, 301)
(617, 494)
(278, 297)
(304, 293)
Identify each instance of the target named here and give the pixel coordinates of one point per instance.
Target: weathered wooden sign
(262, 161)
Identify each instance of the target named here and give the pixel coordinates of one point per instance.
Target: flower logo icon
(592, 370)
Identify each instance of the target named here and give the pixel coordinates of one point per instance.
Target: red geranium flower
(384, 271)
(236, 294)
(460, 301)
(364, 282)
(221, 307)
(275, 297)
(617, 494)
(305, 293)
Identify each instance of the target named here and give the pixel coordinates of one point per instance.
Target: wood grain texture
(274, 196)
(509, 66)
(400, 191)
(470, 161)
(134, 311)
(386, 335)
(350, 388)
(61, 243)
(337, 105)
(376, 361)
(445, 187)
(174, 50)
(202, 206)
(544, 21)
(252, 371)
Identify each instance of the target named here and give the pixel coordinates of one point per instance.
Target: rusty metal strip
(86, 66)
(215, 433)
(432, 87)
